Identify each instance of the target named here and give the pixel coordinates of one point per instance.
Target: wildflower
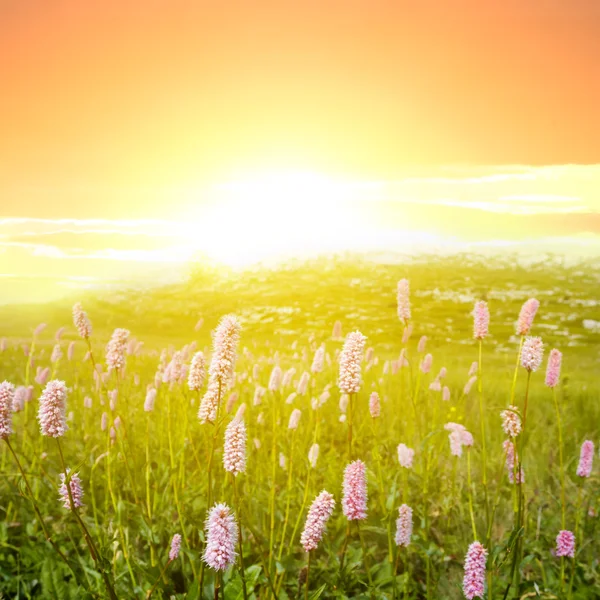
(344, 401)
(210, 402)
(282, 461)
(350, 377)
(175, 369)
(473, 369)
(7, 394)
(87, 402)
(446, 394)
(103, 421)
(354, 501)
(374, 405)
(318, 514)
(532, 353)
(474, 578)
(481, 320)
(70, 350)
(426, 363)
(403, 297)
(290, 399)
(42, 376)
(259, 392)
(294, 419)
(404, 525)
(76, 491)
(509, 450)
(150, 400)
(175, 547)
(234, 455)
(406, 456)
(565, 543)
(196, 374)
(222, 534)
(287, 378)
(275, 379)
(317, 364)
(458, 437)
(52, 410)
(553, 368)
(469, 385)
(81, 321)
(526, 316)
(233, 398)
(115, 349)
(57, 354)
(511, 422)
(313, 455)
(226, 338)
(19, 398)
(241, 411)
(303, 384)
(586, 457)
(421, 345)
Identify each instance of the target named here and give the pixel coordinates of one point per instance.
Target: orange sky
(134, 95)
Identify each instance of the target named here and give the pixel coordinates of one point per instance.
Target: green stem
(307, 576)
(470, 492)
(241, 539)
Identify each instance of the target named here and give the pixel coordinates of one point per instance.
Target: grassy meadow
(146, 477)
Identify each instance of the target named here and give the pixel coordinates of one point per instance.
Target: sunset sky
(150, 131)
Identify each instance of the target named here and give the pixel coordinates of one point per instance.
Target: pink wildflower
(294, 419)
(317, 363)
(175, 547)
(318, 514)
(553, 368)
(81, 321)
(426, 363)
(197, 374)
(565, 543)
(234, 454)
(481, 320)
(532, 353)
(76, 491)
(404, 525)
(586, 458)
(374, 405)
(403, 297)
(526, 316)
(406, 456)
(222, 534)
(225, 341)
(7, 394)
(52, 410)
(350, 377)
(354, 502)
(511, 422)
(474, 578)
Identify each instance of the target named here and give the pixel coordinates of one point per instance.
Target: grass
(134, 504)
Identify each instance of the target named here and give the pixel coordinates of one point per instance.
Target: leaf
(317, 594)
(52, 582)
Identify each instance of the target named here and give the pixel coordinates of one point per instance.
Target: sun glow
(276, 215)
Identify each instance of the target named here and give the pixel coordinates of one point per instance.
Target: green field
(151, 480)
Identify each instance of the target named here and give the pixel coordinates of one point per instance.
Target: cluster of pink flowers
(234, 454)
(586, 458)
(317, 363)
(318, 515)
(374, 405)
(52, 409)
(406, 456)
(7, 393)
(175, 370)
(303, 384)
(526, 316)
(175, 547)
(222, 534)
(553, 368)
(404, 525)
(481, 320)
(426, 363)
(511, 422)
(350, 377)
(565, 543)
(403, 297)
(76, 491)
(116, 349)
(81, 321)
(225, 342)
(532, 353)
(294, 419)
(458, 437)
(150, 400)
(275, 379)
(207, 412)
(354, 501)
(474, 578)
(509, 450)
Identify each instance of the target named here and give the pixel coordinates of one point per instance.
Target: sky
(139, 133)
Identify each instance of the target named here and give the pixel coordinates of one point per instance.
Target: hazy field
(150, 480)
